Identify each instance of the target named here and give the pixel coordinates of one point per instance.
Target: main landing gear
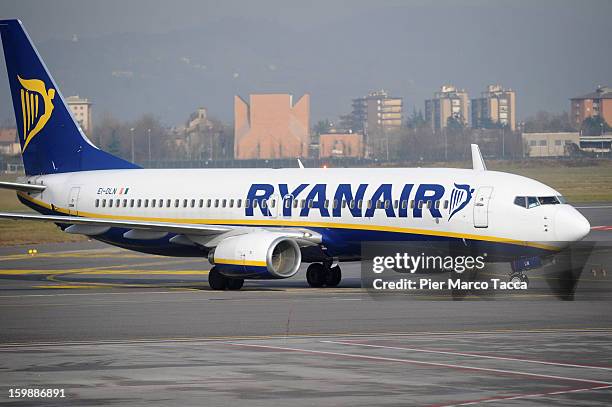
(323, 275)
(218, 281)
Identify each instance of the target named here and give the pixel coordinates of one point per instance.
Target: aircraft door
(73, 201)
(481, 207)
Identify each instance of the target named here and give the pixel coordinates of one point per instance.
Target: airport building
(338, 145)
(550, 144)
(449, 102)
(271, 126)
(496, 106)
(598, 103)
(9, 145)
(81, 111)
(377, 113)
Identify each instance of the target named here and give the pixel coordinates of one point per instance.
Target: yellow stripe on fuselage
(295, 223)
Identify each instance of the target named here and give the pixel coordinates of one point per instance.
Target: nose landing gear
(518, 277)
(323, 275)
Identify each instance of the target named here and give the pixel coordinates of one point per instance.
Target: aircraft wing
(206, 234)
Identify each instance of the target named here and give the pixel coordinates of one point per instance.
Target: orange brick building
(598, 103)
(341, 145)
(271, 126)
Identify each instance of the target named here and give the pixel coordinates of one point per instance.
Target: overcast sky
(169, 57)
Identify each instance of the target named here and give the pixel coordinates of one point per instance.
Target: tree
(416, 119)
(594, 126)
(545, 122)
(322, 126)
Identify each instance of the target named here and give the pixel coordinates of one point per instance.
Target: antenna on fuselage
(478, 163)
(300, 163)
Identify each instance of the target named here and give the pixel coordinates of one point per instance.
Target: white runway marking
(471, 355)
(419, 362)
(524, 396)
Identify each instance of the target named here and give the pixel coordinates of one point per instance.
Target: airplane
(263, 223)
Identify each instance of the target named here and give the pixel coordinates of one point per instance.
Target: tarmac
(113, 327)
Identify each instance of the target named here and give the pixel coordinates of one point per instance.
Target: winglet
(478, 163)
(300, 163)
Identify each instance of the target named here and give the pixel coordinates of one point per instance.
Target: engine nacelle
(257, 255)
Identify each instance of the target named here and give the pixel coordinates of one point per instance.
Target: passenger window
(146, 203)
(335, 204)
(387, 204)
(326, 203)
(247, 203)
(295, 203)
(239, 203)
(351, 204)
(216, 203)
(360, 204)
(255, 201)
(412, 204)
(303, 204)
(404, 204)
(437, 205)
(231, 202)
(117, 202)
(429, 204)
(161, 203)
(139, 203)
(184, 203)
(104, 203)
(446, 204)
(420, 204)
(224, 203)
(131, 203)
(110, 203)
(168, 203)
(396, 204)
(201, 203)
(344, 204)
(310, 203)
(97, 203)
(176, 203)
(369, 204)
(192, 203)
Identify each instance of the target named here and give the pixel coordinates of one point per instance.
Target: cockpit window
(548, 200)
(533, 201)
(520, 201)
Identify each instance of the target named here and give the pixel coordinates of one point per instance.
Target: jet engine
(265, 255)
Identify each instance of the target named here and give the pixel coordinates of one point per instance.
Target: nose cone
(570, 225)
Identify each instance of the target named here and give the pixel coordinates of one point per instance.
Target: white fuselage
(219, 196)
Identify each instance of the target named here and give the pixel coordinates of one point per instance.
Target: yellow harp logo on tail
(36, 107)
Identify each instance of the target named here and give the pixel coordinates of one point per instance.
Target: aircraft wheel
(518, 278)
(333, 276)
(216, 280)
(234, 283)
(315, 275)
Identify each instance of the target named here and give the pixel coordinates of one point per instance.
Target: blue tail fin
(51, 140)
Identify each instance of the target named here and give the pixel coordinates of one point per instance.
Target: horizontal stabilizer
(16, 186)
